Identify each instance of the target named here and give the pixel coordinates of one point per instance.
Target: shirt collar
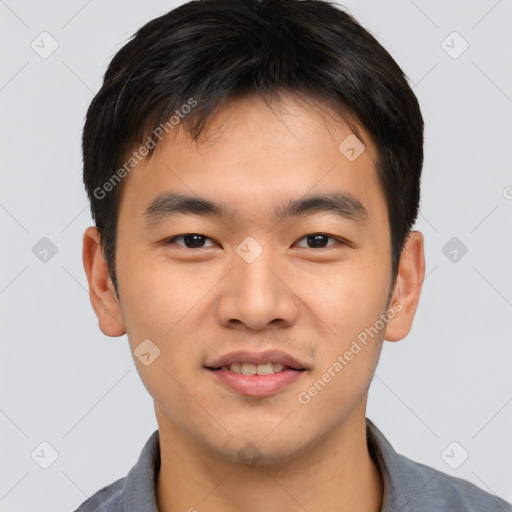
(140, 485)
(403, 479)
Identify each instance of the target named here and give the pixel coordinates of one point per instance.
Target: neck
(337, 474)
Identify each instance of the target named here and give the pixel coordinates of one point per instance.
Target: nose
(256, 294)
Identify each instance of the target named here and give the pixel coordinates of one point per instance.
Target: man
(254, 174)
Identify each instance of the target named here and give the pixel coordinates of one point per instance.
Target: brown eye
(191, 240)
(319, 240)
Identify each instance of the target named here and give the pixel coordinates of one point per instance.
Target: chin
(271, 448)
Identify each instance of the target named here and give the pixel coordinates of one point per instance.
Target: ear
(407, 289)
(101, 289)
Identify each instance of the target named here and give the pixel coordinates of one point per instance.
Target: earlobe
(407, 289)
(101, 290)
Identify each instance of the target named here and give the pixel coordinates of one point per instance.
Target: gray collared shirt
(408, 485)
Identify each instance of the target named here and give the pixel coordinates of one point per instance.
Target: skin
(196, 304)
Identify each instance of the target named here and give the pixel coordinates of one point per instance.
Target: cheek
(155, 295)
(168, 387)
(347, 298)
(159, 306)
(348, 353)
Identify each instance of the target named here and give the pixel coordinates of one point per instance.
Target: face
(206, 296)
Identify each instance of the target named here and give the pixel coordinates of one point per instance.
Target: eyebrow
(341, 204)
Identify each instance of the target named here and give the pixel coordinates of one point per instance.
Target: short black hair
(206, 52)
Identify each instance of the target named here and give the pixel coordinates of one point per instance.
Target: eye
(317, 240)
(191, 240)
(197, 241)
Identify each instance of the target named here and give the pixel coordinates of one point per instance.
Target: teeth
(264, 369)
(252, 369)
(235, 367)
(248, 369)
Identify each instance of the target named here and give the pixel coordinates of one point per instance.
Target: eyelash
(340, 241)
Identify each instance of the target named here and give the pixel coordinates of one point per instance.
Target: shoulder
(410, 486)
(435, 490)
(136, 491)
(107, 499)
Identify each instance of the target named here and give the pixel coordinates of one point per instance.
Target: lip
(244, 356)
(257, 385)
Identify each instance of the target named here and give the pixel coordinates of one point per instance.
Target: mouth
(253, 369)
(256, 374)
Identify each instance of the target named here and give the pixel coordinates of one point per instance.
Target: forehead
(250, 154)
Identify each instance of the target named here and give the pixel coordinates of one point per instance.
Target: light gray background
(64, 382)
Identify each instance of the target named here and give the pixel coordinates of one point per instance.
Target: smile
(253, 369)
(246, 379)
